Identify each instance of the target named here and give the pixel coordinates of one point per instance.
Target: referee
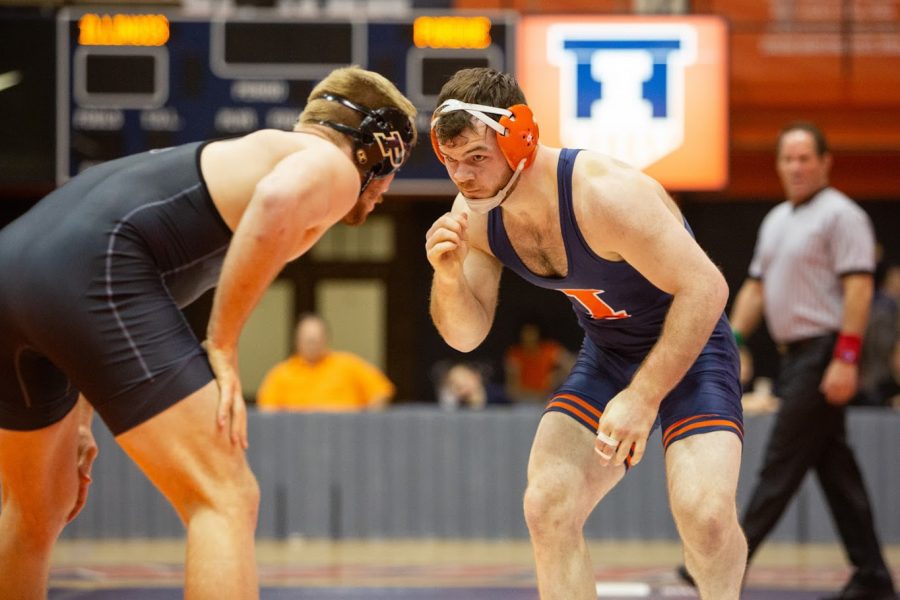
(811, 276)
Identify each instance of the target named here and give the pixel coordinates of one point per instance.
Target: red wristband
(847, 348)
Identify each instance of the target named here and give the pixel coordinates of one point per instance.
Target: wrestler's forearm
(240, 289)
(689, 323)
(259, 250)
(461, 319)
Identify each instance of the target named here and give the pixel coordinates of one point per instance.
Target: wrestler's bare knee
(39, 480)
(549, 509)
(706, 522)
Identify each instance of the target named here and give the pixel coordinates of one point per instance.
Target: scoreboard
(132, 81)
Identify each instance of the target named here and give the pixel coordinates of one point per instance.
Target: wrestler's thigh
(563, 458)
(704, 468)
(184, 453)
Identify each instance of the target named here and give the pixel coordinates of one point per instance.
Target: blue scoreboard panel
(128, 82)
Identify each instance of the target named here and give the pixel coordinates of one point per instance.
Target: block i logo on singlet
(622, 89)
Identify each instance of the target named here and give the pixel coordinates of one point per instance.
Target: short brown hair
(481, 85)
(810, 128)
(359, 86)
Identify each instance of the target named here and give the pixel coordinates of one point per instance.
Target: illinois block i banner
(650, 91)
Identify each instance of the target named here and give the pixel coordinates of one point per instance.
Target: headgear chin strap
(517, 137)
(486, 205)
(381, 143)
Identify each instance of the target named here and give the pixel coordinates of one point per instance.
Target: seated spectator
(535, 366)
(882, 333)
(466, 385)
(318, 379)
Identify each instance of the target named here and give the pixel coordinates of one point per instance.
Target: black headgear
(381, 144)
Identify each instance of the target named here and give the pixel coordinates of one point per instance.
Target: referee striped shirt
(801, 253)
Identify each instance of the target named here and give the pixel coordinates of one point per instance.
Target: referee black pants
(809, 434)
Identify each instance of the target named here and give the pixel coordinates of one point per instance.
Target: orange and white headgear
(517, 137)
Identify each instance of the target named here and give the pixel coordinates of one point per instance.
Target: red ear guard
(519, 140)
(434, 144)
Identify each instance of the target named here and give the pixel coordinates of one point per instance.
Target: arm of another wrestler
(291, 207)
(466, 277)
(629, 216)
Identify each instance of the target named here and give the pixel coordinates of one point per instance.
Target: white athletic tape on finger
(607, 439)
(603, 454)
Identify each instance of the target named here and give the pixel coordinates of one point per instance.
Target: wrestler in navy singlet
(93, 278)
(622, 315)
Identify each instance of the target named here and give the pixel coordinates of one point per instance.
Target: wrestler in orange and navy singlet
(622, 315)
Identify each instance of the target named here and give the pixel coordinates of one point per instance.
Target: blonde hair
(359, 86)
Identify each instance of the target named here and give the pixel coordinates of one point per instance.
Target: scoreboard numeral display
(130, 82)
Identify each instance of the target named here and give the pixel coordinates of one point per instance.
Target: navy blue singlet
(616, 306)
(622, 315)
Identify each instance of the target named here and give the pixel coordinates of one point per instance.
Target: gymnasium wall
(424, 473)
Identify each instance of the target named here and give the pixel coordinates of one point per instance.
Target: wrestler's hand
(232, 409)
(446, 244)
(87, 452)
(840, 382)
(624, 426)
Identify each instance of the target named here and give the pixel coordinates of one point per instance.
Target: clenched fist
(446, 243)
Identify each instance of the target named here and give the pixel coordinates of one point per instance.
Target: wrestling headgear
(381, 143)
(517, 137)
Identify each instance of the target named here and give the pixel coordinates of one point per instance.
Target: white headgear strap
(476, 110)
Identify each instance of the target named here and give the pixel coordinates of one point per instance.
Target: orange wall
(829, 61)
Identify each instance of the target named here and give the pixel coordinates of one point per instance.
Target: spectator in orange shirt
(535, 366)
(319, 379)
